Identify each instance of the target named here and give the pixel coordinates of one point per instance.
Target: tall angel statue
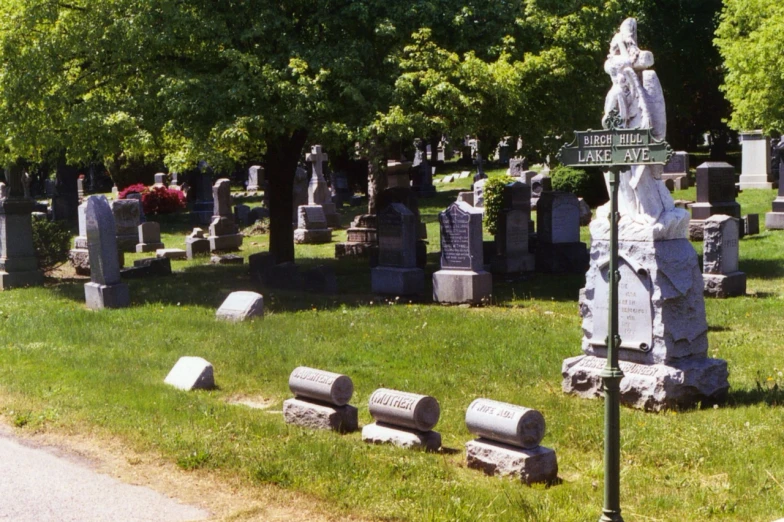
(635, 100)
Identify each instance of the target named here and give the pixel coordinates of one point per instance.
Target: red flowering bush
(156, 200)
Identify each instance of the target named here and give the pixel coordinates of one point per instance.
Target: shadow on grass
(762, 268)
(773, 396)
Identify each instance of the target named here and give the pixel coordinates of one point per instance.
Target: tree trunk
(283, 153)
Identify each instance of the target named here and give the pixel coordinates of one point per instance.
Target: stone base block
(313, 236)
(513, 264)
(80, 242)
(387, 280)
(655, 387)
(462, 286)
(754, 182)
(724, 285)
(380, 433)
(171, 253)
(99, 296)
(561, 258)
(9, 280)
(197, 247)
(774, 220)
(228, 243)
(316, 416)
(361, 250)
(538, 465)
(80, 260)
(148, 247)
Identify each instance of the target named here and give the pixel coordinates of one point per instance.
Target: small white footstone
(405, 438)
(171, 253)
(191, 373)
(529, 465)
(315, 416)
(240, 306)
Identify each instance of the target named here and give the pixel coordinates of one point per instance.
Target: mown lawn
(64, 368)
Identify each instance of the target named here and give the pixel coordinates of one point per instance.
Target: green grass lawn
(64, 368)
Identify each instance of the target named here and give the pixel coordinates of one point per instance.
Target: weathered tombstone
(361, 238)
(105, 290)
(171, 253)
(224, 236)
(407, 197)
(479, 193)
(79, 256)
(755, 170)
(321, 401)
(462, 278)
(466, 197)
(509, 442)
(115, 192)
(715, 195)
(403, 419)
(147, 267)
(66, 198)
(397, 273)
(480, 168)
(227, 259)
(200, 191)
(149, 237)
(517, 166)
(160, 180)
(127, 218)
(240, 306)
(751, 224)
(318, 191)
(242, 215)
(300, 191)
(559, 249)
(774, 220)
(312, 226)
(540, 183)
(80, 187)
(18, 262)
(464, 174)
(677, 170)
(511, 238)
(196, 244)
(49, 188)
(341, 192)
(26, 185)
(254, 177)
(174, 185)
(720, 272)
(191, 373)
(421, 172)
(138, 197)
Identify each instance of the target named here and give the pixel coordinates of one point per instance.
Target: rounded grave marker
(321, 385)
(408, 410)
(504, 422)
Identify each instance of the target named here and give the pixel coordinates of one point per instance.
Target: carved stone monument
(18, 263)
(511, 238)
(403, 419)
(224, 235)
(318, 191)
(149, 237)
(397, 273)
(715, 195)
(321, 401)
(559, 249)
(312, 228)
(105, 290)
(127, 218)
(255, 173)
(663, 331)
(774, 220)
(755, 169)
(462, 278)
(677, 170)
(720, 258)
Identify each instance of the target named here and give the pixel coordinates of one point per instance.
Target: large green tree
(750, 38)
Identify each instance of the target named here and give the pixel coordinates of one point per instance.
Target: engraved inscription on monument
(455, 239)
(635, 318)
(390, 239)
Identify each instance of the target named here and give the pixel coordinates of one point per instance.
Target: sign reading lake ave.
(614, 147)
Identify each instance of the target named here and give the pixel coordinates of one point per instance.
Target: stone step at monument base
(462, 286)
(148, 247)
(702, 211)
(386, 280)
(774, 220)
(362, 235)
(537, 465)
(318, 416)
(561, 258)
(22, 279)
(351, 249)
(696, 229)
(228, 243)
(312, 236)
(754, 182)
(380, 433)
(98, 296)
(655, 387)
(80, 242)
(513, 264)
(724, 285)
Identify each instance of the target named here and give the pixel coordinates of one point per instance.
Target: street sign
(614, 147)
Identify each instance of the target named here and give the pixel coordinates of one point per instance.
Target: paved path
(39, 484)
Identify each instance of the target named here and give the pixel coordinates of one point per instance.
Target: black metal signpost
(616, 149)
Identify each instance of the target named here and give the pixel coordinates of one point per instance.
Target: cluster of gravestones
(509, 435)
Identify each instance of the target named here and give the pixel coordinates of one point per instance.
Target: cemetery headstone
(511, 240)
(171, 253)
(227, 259)
(174, 185)
(241, 306)
(242, 215)
(66, 198)
(774, 220)
(361, 238)
(479, 193)
(677, 170)
(403, 419)
(191, 373)
(224, 235)
(540, 183)
(105, 290)
(751, 224)
(49, 188)
(196, 244)
(720, 272)
(715, 195)
(517, 166)
(662, 328)
(422, 173)
(755, 169)
(149, 237)
(255, 178)
(407, 197)
(321, 401)
(148, 267)
(300, 191)
(200, 186)
(160, 180)
(18, 261)
(127, 218)
(318, 191)
(80, 187)
(312, 226)
(508, 443)
(559, 249)
(466, 197)
(397, 273)
(480, 168)
(462, 278)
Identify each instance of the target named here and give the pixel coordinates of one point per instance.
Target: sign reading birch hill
(614, 147)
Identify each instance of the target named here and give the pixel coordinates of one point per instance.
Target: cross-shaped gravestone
(317, 158)
(318, 194)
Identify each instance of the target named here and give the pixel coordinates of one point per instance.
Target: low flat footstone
(408, 410)
(343, 419)
(171, 253)
(191, 373)
(240, 306)
(504, 422)
(538, 465)
(228, 259)
(378, 433)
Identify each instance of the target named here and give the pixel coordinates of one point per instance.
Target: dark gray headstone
(461, 237)
(102, 241)
(397, 236)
